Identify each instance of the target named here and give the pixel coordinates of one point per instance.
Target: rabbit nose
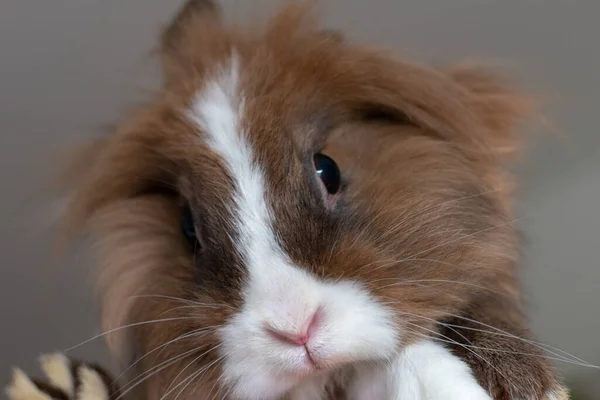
(296, 337)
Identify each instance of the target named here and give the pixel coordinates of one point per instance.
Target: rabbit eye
(187, 224)
(328, 172)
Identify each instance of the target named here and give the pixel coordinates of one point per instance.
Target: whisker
(186, 301)
(152, 371)
(424, 259)
(408, 219)
(188, 306)
(125, 327)
(403, 261)
(508, 334)
(467, 236)
(437, 322)
(195, 334)
(466, 347)
(217, 382)
(511, 352)
(181, 337)
(454, 265)
(387, 263)
(218, 360)
(226, 393)
(452, 201)
(542, 346)
(188, 379)
(439, 281)
(190, 363)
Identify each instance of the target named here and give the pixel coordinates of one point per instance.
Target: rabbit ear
(192, 9)
(190, 33)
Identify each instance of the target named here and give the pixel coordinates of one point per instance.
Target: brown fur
(426, 219)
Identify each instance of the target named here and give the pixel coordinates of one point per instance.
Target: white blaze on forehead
(218, 111)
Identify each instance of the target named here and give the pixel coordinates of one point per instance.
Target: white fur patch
(278, 294)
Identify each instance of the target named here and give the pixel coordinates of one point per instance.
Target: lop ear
(500, 105)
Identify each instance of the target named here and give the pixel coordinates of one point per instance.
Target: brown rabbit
(293, 216)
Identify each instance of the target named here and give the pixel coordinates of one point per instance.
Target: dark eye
(187, 224)
(329, 172)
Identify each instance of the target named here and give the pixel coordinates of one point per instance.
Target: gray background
(67, 67)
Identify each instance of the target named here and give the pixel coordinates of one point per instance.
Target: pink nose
(298, 338)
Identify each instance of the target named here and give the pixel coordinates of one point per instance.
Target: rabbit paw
(427, 370)
(65, 380)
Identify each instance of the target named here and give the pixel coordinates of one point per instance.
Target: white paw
(64, 381)
(428, 371)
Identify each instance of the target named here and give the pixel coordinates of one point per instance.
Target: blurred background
(69, 67)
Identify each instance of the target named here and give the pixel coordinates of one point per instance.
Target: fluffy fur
(289, 292)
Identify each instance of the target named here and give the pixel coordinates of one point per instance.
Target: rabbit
(294, 216)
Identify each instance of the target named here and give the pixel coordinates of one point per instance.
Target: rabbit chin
(424, 370)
